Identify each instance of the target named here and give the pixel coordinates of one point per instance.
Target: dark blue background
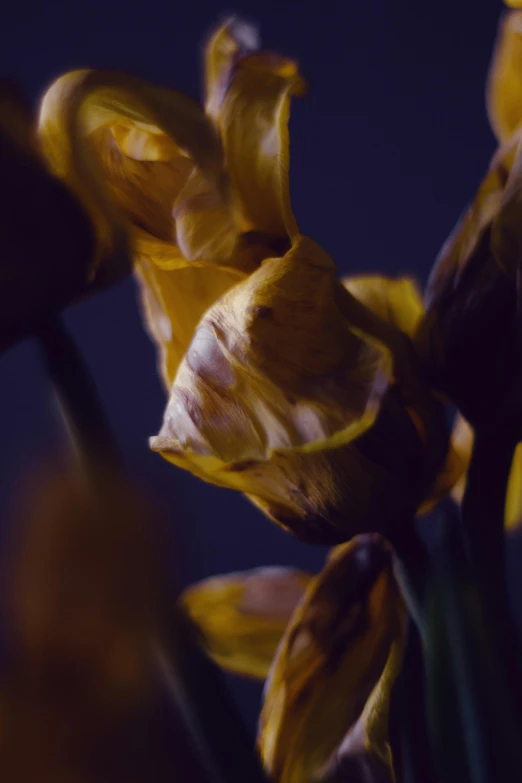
(386, 150)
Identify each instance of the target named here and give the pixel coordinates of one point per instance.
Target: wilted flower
(470, 337)
(274, 368)
(327, 695)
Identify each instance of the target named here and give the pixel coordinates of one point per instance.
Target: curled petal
(253, 119)
(280, 397)
(175, 295)
(504, 87)
(244, 615)
(145, 190)
(228, 44)
(81, 102)
(329, 662)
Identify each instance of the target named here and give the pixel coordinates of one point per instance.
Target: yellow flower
(469, 336)
(327, 695)
(244, 615)
(201, 217)
(278, 388)
(274, 368)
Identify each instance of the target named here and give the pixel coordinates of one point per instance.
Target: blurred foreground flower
(82, 597)
(470, 339)
(330, 671)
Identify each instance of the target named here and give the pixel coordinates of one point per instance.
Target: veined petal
(253, 119)
(175, 295)
(81, 102)
(504, 87)
(331, 659)
(276, 397)
(243, 615)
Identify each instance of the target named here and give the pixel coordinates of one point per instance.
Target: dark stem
(411, 567)
(77, 395)
(411, 748)
(483, 512)
(195, 686)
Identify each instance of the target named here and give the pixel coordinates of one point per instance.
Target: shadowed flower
(472, 297)
(327, 695)
(48, 242)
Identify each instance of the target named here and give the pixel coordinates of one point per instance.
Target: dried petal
(253, 119)
(244, 615)
(504, 87)
(82, 102)
(175, 295)
(331, 659)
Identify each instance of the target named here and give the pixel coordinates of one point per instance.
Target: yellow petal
(513, 518)
(451, 479)
(205, 225)
(231, 41)
(244, 615)
(81, 102)
(273, 371)
(145, 190)
(332, 656)
(253, 119)
(504, 87)
(175, 295)
(274, 394)
(396, 301)
(464, 437)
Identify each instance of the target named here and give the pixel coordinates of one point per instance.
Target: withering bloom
(284, 383)
(470, 338)
(330, 671)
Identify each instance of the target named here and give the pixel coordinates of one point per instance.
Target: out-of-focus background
(386, 150)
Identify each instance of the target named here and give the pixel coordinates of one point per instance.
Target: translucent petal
(244, 615)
